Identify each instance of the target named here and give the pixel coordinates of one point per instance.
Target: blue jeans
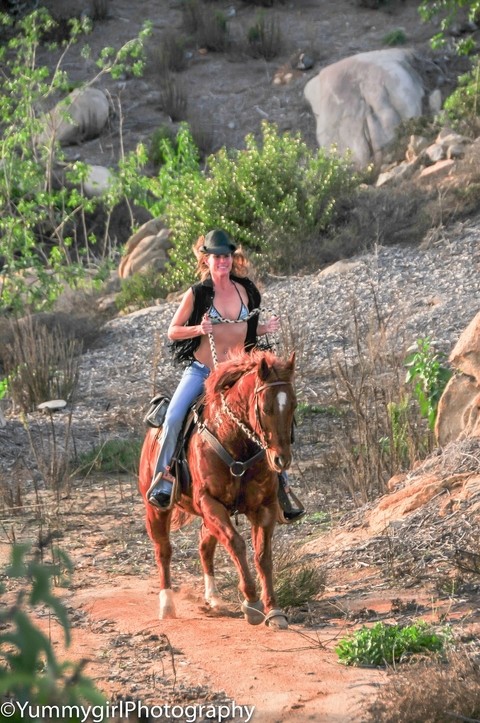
(191, 385)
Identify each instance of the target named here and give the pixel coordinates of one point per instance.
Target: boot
(160, 492)
(291, 512)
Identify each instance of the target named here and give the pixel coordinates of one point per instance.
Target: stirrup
(289, 512)
(160, 492)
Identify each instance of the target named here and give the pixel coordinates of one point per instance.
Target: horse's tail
(180, 518)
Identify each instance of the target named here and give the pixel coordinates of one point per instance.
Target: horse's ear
(291, 361)
(263, 370)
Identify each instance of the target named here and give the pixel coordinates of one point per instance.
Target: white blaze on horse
(235, 453)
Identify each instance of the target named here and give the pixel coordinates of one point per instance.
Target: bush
(272, 197)
(30, 673)
(385, 644)
(115, 455)
(41, 222)
(429, 376)
(462, 107)
(140, 290)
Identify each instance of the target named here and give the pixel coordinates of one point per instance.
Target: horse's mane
(236, 365)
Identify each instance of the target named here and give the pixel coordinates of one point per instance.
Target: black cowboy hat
(218, 242)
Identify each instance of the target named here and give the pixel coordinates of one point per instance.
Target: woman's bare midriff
(227, 338)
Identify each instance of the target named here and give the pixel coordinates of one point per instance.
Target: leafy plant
(462, 107)
(30, 673)
(271, 197)
(449, 11)
(140, 290)
(385, 644)
(429, 376)
(44, 231)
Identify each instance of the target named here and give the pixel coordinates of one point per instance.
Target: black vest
(183, 350)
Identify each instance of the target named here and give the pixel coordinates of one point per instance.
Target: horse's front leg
(262, 535)
(158, 528)
(208, 544)
(217, 522)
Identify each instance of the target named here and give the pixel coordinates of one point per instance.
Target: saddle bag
(157, 410)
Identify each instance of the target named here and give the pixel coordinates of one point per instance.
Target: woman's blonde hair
(240, 265)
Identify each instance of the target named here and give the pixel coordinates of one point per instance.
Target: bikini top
(216, 318)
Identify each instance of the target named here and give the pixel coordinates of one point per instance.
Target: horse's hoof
(253, 612)
(167, 606)
(276, 619)
(216, 603)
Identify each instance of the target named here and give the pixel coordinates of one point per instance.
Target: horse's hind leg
(208, 544)
(158, 527)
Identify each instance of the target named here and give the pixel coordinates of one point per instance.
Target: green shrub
(428, 375)
(385, 644)
(45, 238)
(140, 290)
(156, 154)
(30, 673)
(206, 24)
(272, 197)
(462, 107)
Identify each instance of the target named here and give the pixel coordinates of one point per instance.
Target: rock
(465, 355)
(359, 102)
(98, 181)
(80, 116)
(435, 153)
(398, 173)
(53, 405)
(458, 414)
(146, 249)
(455, 409)
(416, 145)
(437, 171)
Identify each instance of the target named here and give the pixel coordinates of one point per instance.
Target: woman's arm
(177, 329)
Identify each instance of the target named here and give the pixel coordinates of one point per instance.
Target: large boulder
(146, 249)
(359, 101)
(458, 414)
(78, 117)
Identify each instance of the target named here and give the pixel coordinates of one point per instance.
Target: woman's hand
(272, 325)
(205, 325)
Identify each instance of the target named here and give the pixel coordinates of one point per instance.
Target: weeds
(41, 364)
(206, 24)
(385, 644)
(428, 375)
(115, 455)
(265, 38)
(173, 98)
(431, 692)
(297, 581)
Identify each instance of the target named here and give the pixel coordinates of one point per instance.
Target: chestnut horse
(234, 456)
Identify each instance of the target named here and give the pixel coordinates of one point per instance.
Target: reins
(237, 468)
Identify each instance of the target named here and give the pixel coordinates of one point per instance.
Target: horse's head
(273, 409)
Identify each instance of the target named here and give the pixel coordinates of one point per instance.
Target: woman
(224, 304)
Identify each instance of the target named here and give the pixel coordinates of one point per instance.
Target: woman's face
(219, 264)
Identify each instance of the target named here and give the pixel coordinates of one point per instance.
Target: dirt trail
(286, 675)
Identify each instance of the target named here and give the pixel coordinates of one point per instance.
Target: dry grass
(42, 364)
(382, 433)
(173, 97)
(442, 692)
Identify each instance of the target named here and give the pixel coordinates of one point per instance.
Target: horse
(234, 454)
